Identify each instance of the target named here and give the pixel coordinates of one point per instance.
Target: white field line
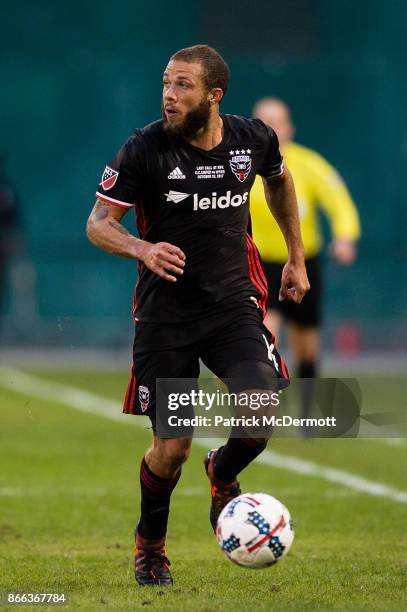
(81, 492)
(48, 492)
(21, 382)
(390, 441)
(27, 384)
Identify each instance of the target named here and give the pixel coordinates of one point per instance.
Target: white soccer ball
(255, 530)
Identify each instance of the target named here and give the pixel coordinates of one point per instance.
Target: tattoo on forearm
(120, 228)
(100, 211)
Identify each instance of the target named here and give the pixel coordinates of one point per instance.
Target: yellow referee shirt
(317, 184)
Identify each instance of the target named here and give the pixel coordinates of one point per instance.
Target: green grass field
(69, 503)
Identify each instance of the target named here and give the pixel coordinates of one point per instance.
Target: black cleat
(222, 492)
(150, 563)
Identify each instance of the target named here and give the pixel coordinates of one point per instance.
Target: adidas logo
(176, 174)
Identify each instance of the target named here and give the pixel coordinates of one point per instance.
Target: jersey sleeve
(122, 179)
(335, 200)
(272, 161)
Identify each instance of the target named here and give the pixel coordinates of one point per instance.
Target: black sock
(237, 453)
(306, 370)
(155, 502)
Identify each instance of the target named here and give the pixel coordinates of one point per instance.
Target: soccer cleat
(150, 563)
(222, 492)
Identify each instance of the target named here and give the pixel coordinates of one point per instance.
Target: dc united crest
(241, 163)
(144, 397)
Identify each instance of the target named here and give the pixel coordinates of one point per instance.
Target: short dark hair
(215, 70)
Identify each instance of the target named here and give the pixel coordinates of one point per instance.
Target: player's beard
(195, 120)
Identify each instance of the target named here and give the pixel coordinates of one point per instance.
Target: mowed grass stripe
(79, 399)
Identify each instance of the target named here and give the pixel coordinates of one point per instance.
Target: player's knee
(249, 373)
(176, 451)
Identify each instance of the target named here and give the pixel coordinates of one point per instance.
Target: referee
(318, 187)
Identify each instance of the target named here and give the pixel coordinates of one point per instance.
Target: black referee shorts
(306, 314)
(222, 342)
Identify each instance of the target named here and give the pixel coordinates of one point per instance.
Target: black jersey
(199, 201)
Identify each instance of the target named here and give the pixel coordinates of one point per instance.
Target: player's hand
(294, 282)
(163, 258)
(343, 251)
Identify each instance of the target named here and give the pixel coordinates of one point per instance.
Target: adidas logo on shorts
(176, 174)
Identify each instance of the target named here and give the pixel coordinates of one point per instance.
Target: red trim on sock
(157, 483)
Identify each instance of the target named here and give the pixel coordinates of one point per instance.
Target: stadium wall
(81, 76)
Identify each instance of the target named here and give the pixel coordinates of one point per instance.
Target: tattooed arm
(105, 231)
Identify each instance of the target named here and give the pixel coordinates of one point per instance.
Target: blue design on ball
(258, 521)
(231, 507)
(276, 547)
(230, 544)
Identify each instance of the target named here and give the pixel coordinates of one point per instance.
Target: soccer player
(201, 291)
(318, 186)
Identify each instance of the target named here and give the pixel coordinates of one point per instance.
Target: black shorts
(174, 351)
(306, 314)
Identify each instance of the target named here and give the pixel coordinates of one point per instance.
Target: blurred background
(78, 77)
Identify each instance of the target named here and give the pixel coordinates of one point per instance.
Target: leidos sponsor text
(223, 201)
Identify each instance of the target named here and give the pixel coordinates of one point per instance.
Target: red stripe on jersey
(259, 269)
(261, 279)
(126, 408)
(260, 290)
(255, 278)
(259, 266)
(254, 275)
(133, 392)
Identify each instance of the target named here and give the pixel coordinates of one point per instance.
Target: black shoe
(222, 492)
(150, 563)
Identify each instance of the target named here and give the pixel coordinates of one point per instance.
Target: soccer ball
(255, 530)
